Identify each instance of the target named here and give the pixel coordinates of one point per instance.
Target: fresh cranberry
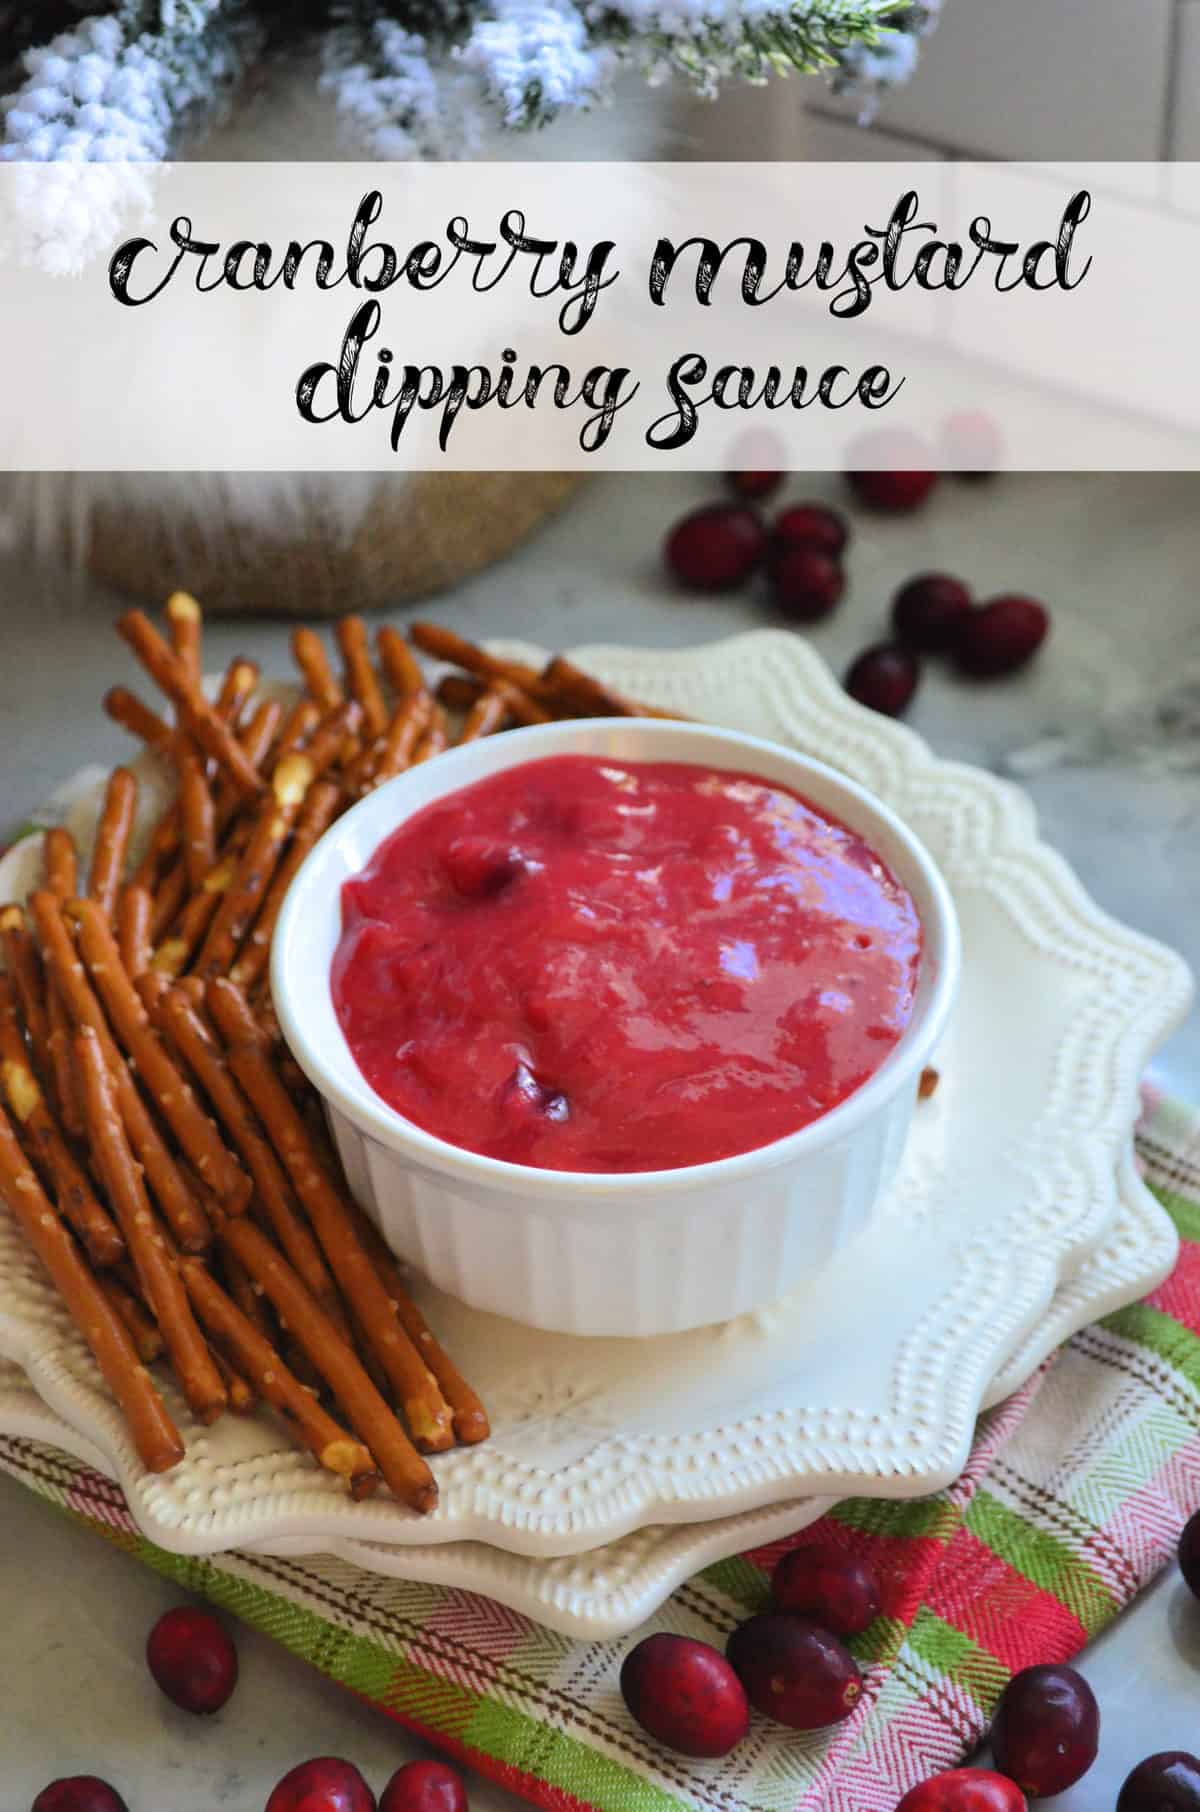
(810, 525)
(326, 1784)
(193, 1659)
(929, 611)
(79, 1793)
(891, 479)
(754, 486)
(686, 1694)
(805, 584)
(1001, 636)
(964, 1790)
(794, 1671)
(1189, 1554)
(884, 678)
(480, 866)
(832, 1587)
(1046, 1730)
(715, 548)
(1166, 1782)
(425, 1787)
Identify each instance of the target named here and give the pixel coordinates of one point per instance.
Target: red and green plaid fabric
(1073, 1499)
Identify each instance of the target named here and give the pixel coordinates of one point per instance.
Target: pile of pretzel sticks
(160, 1151)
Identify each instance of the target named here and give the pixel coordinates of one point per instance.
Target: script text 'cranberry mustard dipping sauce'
(598, 965)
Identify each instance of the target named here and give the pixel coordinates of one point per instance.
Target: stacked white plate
(617, 1468)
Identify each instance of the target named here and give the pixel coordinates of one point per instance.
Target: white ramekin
(651, 1252)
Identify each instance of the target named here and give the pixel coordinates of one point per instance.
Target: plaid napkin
(1073, 1499)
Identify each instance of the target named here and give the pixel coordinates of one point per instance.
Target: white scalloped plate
(868, 1382)
(613, 1589)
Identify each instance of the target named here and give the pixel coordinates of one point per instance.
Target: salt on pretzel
(488, 714)
(416, 1388)
(188, 931)
(180, 1207)
(435, 739)
(290, 781)
(24, 967)
(186, 623)
(197, 1137)
(197, 814)
(134, 910)
(158, 1278)
(404, 733)
(60, 862)
(320, 807)
(147, 1341)
(405, 1471)
(336, 1450)
(73, 1193)
(298, 726)
(154, 1435)
(112, 840)
(196, 714)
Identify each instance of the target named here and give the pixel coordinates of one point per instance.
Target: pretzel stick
(198, 1376)
(362, 682)
(404, 733)
(298, 726)
(154, 1434)
(243, 897)
(420, 1399)
(330, 737)
(237, 683)
(470, 1417)
(459, 691)
(243, 1293)
(565, 684)
(196, 714)
(24, 967)
(243, 1399)
(444, 645)
(175, 1199)
(399, 663)
(330, 1444)
(369, 1416)
(198, 816)
(73, 1193)
(189, 1033)
(127, 709)
(486, 715)
(60, 861)
(134, 909)
(146, 1338)
(197, 1136)
(175, 952)
(112, 840)
(183, 614)
(316, 815)
(435, 739)
(308, 651)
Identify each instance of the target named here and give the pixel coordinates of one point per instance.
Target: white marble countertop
(1104, 731)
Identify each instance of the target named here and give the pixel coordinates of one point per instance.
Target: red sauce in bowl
(598, 965)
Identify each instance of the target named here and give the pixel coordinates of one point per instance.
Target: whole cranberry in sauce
(686, 1694)
(193, 1660)
(805, 584)
(1046, 1730)
(929, 611)
(715, 548)
(835, 1589)
(1000, 636)
(884, 678)
(1166, 1782)
(324, 1784)
(810, 525)
(794, 1671)
(964, 1790)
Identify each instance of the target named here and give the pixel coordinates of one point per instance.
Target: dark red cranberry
(1046, 1730)
(79, 1793)
(1189, 1554)
(326, 1784)
(1001, 636)
(834, 1588)
(480, 866)
(716, 548)
(964, 1790)
(686, 1694)
(525, 1098)
(810, 525)
(794, 1671)
(805, 584)
(193, 1659)
(754, 486)
(884, 678)
(892, 480)
(929, 611)
(425, 1787)
(1166, 1782)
